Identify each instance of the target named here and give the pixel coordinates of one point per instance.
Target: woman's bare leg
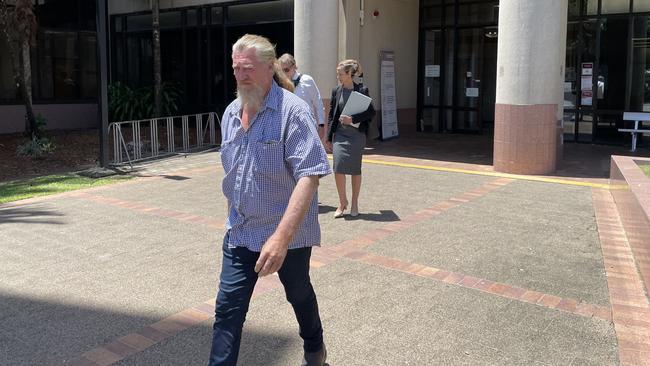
(356, 190)
(340, 188)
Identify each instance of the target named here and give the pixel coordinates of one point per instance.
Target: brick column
(530, 76)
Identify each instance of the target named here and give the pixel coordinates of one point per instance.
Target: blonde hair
(287, 59)
(350, 66)
(265, 52)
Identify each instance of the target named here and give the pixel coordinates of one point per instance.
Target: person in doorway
(347, 135)
(306, 89)
(272, 159)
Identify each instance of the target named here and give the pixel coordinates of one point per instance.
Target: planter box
(631, 192)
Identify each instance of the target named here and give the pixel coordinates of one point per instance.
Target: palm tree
(18, 23)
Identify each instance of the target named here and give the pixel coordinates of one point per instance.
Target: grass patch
(51, 184)
(646, 169)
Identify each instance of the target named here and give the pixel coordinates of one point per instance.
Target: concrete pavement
(440, 268)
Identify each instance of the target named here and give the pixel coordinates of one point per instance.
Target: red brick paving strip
(568, 305)
(172, 325)
(627, 294)
(150, 210)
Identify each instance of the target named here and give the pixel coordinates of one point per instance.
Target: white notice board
(388, 98)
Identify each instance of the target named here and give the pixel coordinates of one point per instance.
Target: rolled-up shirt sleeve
(317, 102)
(304, 152)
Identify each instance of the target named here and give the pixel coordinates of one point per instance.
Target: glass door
(431, 89)
(640, 82)
(610, 80)
(475, 79)
(489, 80)
(467, 77)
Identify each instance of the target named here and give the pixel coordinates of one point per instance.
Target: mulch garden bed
(74, 150)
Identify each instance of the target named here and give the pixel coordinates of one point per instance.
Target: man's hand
(271, 257)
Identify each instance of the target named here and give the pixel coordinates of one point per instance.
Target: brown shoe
(315, 358)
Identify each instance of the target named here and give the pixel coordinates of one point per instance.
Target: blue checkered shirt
(263, 165)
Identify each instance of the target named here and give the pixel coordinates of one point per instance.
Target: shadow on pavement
(41, 332)
(579, 160)
(383, 216)
(29, 214)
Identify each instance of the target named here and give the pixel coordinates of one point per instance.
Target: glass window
(478, 13)
(640, 88)
(449, 15)
(641, 5)
(574, 8)
(132, 59)
(7, 82)
(468, 67)
(63, 56)
(88, 65)
(449, 69)
(430, 121)
(139, 22)
(570, 74)
(217, 15)
(192, 16)
(569, 124)
(592, 7)
(612, 69)
(431, 16)
(615, 6)
(432, 63)
(59, 14)
(87, 14)
(118, 24)
(170, 19)
(585, 126)
(260, 12)
(118, 58)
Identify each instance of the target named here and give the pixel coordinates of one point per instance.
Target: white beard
(251, 98)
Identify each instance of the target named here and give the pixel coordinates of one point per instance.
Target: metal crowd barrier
(141, 139)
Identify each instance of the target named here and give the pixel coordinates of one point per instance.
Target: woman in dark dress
(347, 135)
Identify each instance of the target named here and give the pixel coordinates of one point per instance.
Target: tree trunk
(157, 77)
(26, 90)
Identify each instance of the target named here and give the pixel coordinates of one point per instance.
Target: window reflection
(640, 88)
(615, 6)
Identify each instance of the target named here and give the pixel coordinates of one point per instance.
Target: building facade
(445, 51)
(64, 69)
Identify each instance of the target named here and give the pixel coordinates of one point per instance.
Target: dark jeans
(238, 279)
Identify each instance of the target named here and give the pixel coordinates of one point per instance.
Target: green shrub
(35, 147)
(127, 104)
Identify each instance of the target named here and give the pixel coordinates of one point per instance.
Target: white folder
(356, 103)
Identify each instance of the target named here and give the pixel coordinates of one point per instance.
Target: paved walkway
(442, 267)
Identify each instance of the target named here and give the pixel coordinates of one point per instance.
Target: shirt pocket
(269, 157)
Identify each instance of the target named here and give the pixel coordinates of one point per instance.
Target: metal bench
(638, 118)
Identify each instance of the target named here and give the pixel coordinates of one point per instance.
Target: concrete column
(316, 30)
(530, 77)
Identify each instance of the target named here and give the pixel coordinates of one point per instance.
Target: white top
(308, 91)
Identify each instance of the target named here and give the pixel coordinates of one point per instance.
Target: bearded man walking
(272, 158)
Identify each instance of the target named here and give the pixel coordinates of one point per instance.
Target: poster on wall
(388, 98)
(432, 71)
(586, 97)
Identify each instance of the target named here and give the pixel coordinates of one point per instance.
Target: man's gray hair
(265, 52)
(264, 49)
